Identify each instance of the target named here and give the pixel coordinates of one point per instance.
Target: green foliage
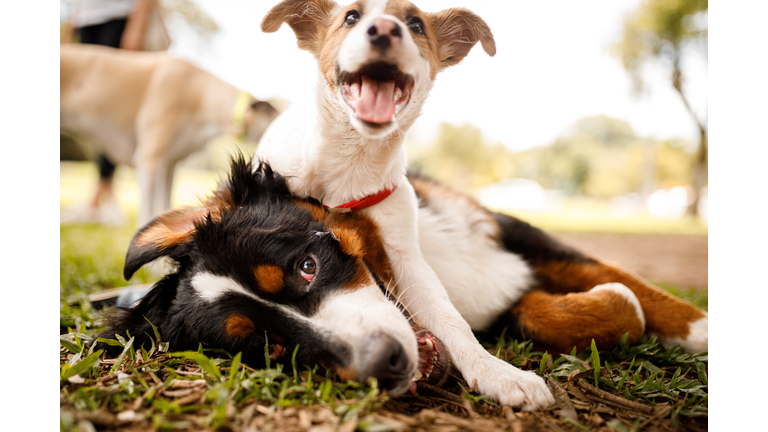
(603, 157)
(646, 371)
(660, 29)
(597, 156)
(461, 158)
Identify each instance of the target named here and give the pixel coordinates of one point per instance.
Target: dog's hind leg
(560, 322)
(560, 269)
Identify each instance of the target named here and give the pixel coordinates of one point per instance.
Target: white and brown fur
(328, 149)
(149, 110)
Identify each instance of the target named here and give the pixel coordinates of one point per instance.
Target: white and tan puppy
(377, 62)
(150, 110)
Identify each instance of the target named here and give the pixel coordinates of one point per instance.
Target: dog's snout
(388, 362)
(382, 32)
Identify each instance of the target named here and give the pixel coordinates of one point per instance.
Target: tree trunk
(700, 162)
(699, 172)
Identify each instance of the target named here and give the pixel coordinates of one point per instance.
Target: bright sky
(552, 67)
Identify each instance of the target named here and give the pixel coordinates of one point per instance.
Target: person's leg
(104, 190)
(108, 34)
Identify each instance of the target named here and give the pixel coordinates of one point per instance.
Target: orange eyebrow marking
(349, 241)
(317, 213)
(239, 326)
(269, 278)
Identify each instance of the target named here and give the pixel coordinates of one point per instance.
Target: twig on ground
(602, 394)
(567, 409)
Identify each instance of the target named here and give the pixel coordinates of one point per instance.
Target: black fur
(258, 224)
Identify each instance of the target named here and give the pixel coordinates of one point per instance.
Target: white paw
(508, 385)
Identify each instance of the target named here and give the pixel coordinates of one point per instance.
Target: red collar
(367, 201)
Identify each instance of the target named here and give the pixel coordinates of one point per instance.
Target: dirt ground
(679, 260)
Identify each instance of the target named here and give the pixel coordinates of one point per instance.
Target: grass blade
(80, 367)
(595, 356)
(201, 359)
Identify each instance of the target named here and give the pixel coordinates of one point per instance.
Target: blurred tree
(462, 159)
(195, 17)
(596, 156)
(666, 29)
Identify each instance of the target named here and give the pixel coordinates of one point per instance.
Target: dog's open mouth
(377, 92)
(433, 359)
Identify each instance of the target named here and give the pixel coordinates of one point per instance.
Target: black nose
(381, 42)
(382, 39)
(387, 362)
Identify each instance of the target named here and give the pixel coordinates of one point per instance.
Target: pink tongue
(375, 104)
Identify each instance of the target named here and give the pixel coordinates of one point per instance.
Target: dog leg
(674, 320)
(155, 185)
(559, 322)
(422, 293)
(162, 198)
(560, 269)
(147, 177)
(427, 299)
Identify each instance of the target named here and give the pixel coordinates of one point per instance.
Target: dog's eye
(416, 25)
(352, 18)
(308, 269)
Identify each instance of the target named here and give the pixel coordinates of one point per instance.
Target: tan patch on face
(560, 322)
(317, 213)
(239, 326)
(364, 242)
(665, 314)
(332, 39)
(349, 241)
(269, 278)
(427, 43)
(358, 237)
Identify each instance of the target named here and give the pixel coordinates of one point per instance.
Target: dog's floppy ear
(306, 17)
(166, 235)
(457, 31)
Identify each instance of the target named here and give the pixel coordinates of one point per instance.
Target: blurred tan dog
(150, 110)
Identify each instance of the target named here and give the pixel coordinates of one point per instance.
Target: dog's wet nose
(382, 32)
(388, 362)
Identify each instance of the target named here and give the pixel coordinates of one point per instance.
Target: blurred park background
(590, 122)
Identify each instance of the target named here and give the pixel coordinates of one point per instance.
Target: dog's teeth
(398, 94)
(355, 89)
(429, 344)
(434, 358)
(416, 376)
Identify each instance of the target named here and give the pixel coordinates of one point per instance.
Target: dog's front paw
(509, 385)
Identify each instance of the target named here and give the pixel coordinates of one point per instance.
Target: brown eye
(416, 25)
(352, 18)
(308, 269)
